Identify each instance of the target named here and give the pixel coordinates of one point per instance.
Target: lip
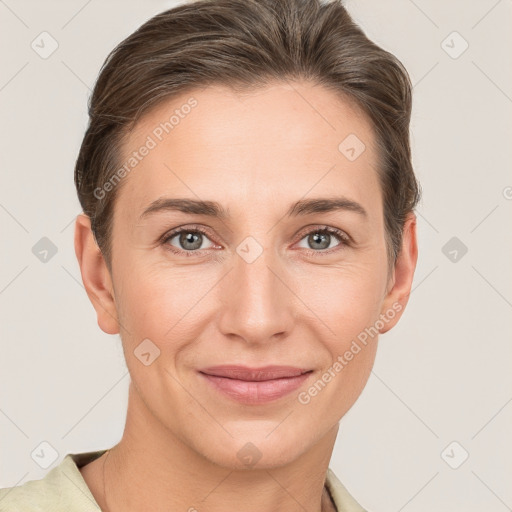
(255, 385)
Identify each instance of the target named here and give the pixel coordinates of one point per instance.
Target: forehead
(285, 139)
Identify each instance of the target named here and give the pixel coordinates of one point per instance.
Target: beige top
(63, 489)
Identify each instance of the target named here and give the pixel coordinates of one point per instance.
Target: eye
(321, 239)
(187, 240)
(190, 241)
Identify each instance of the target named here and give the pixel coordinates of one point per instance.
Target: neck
(151, 469)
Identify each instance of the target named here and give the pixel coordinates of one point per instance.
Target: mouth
(255, 385)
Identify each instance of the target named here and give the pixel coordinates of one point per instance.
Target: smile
(255, 385)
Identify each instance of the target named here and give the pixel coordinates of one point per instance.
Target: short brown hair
(245, 44)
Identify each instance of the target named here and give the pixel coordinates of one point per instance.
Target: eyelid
(185, 228)
(344, 238)
(319, 228)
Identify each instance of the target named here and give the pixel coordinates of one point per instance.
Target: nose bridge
(257, 304)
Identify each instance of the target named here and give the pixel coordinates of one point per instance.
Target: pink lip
(255, 385)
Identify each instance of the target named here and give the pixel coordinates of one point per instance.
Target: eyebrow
(214, 209)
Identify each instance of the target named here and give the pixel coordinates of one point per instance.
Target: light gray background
(442, 375)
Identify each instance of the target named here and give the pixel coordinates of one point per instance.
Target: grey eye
(189, 240)
(320, 240)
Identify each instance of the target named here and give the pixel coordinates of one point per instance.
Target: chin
(258, 450)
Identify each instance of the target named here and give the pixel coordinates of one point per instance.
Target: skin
(255, 154)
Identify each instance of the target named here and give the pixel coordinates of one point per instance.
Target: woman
(249, 231)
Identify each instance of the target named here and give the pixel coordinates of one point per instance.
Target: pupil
(190, 238)
(322, 239)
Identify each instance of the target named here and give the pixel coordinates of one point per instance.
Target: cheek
(161, 303)
(346, 300)
(347, 303)
(335, 390)
(159, 320)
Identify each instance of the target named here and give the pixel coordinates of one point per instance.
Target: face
(285, 265)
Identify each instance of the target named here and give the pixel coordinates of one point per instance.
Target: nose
(257, 302)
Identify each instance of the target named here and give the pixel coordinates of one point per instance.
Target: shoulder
(343, 500)
(62, 489)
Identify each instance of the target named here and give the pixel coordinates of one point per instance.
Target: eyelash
(344, 239)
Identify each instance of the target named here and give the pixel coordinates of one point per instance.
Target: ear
(400, 282)
(95, 275)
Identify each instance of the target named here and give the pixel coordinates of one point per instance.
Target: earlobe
(95, 275)
(403, 274)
